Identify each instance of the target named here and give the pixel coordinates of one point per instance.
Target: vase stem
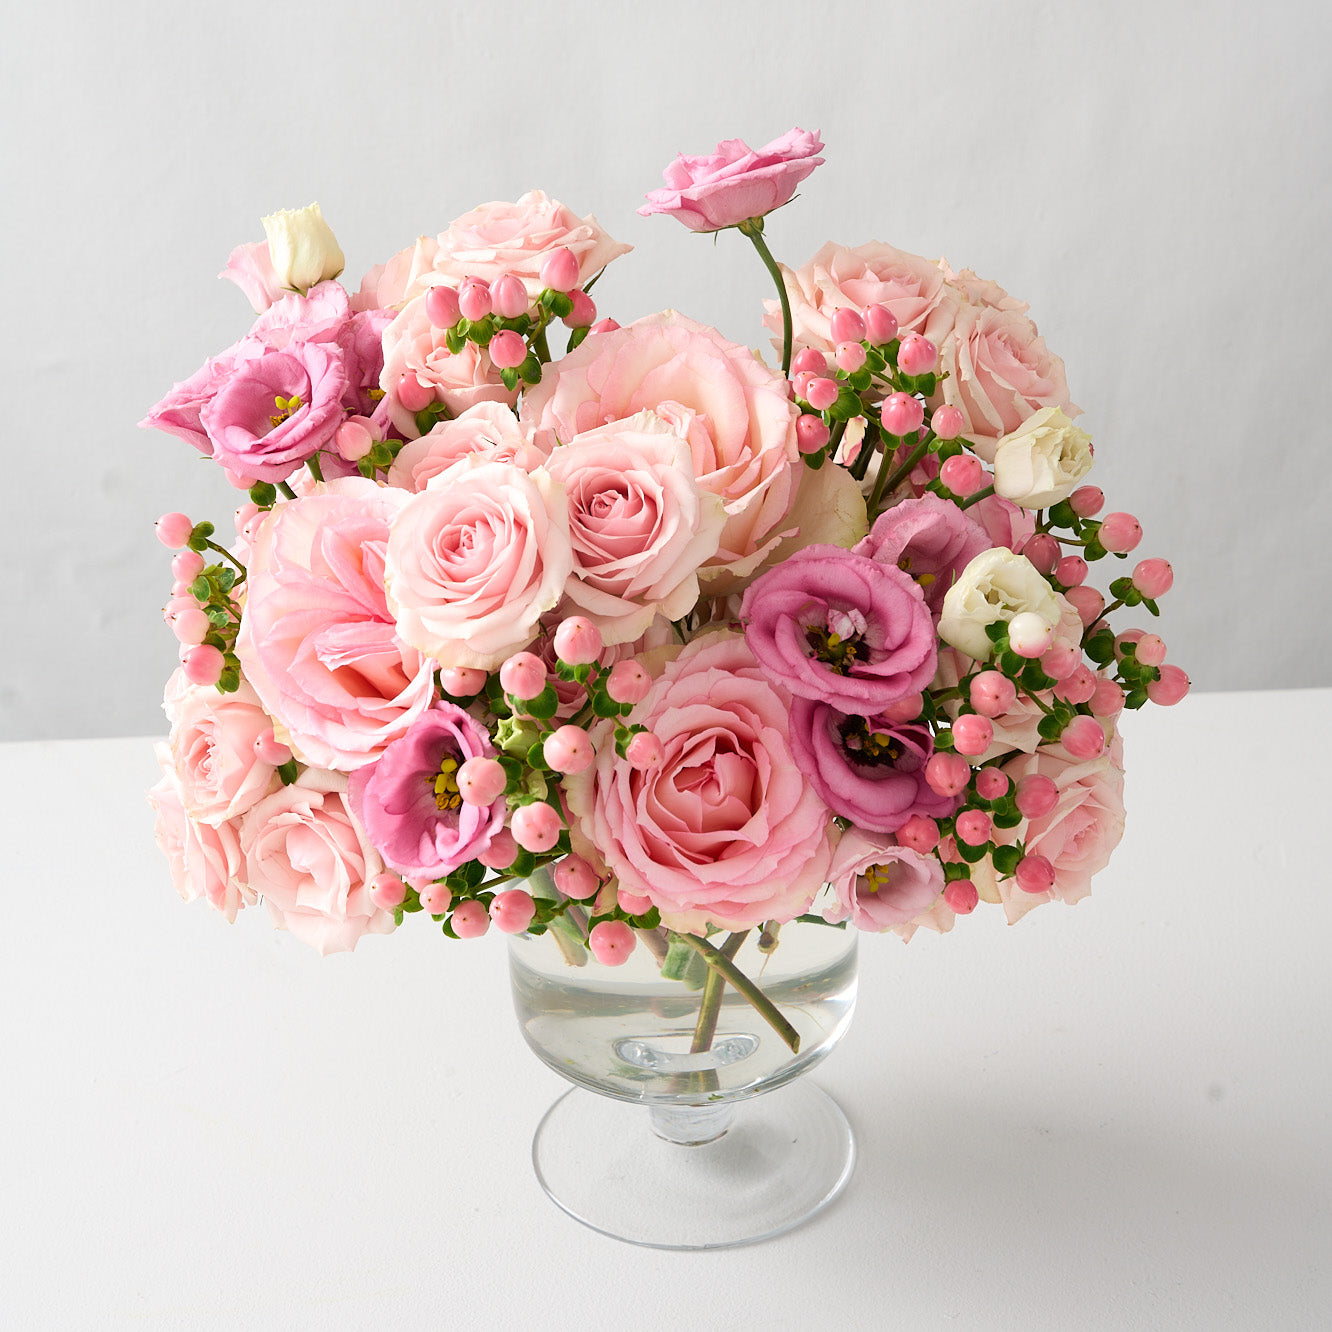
(691, 1125)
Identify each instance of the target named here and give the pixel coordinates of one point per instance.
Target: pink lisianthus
(317, 641)
(473, 565)
(735, 182)
(866, 769)
(928, 538)
(843, 628)
(1000, 372)
(414, 346)
(874, 274)
(250, 267)
(408, 802)
(639, 524)
(1004, 523)
(725, 828)
(940, 918)
(312, 863)
(321, 315)
(179, 413)
(205, 859)
(489, 430)
(879, 884)
(734, 411)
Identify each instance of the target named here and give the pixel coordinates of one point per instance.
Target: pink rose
(472, 565)
(392, 284)
(726, 828)
(317, 641)
(733, 410)
(489, 430)
(414, 346)
(911, 287)
(513, 238)
(735, 182)
(1004, 523)
(1000, 372)
(980, 291)
(212, 752)
(639, 524)
(879, 884)
(205, 860)
(312, 863)
(250, 267)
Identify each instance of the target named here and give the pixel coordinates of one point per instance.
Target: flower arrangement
(646, 638)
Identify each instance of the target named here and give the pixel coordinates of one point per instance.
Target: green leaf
(288, 772)
(509, 378)
(1005, 859)
(1006, 818)
(523, 864)
(1062, 515)
(544, 705)
(972, 854)
(996, 631)
(1050, 729)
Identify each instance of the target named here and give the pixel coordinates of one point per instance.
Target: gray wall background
(1153, 178)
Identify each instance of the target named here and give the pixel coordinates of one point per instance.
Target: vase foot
(785, 1156)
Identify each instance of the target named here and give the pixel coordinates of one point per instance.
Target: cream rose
(302, 248)
(1042, 461)
(996, 585)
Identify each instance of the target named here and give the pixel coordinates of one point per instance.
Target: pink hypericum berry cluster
(201, 612)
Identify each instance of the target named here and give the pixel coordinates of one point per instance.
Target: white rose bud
(302, 248)
(1042, 461)
(996, 585)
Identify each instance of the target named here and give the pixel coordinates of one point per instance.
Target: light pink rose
(212, 752)
(733, 410)
(880, 884)
(726, 828)
(911, 287)
(310, 860)
(940, 918)
(473, 565)
(489, 430)
(414, 346)
(390, 285)
(250, 267)
(205, 861)
(980, 291)
(497, 238)
(1077, 836)
(639, 524)
(735, 182)
(1000, 372)
(317, 641)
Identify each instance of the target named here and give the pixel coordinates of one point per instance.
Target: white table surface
(1110, 1116)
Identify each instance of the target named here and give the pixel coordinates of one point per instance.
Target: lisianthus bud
(302, 248)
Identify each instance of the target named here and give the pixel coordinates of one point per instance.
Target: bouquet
(641, 637)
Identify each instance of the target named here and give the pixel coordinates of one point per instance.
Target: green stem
(764, 1006)
(709, 1010)
(899, 474)
(753, 228)
(286, 490)
(540, 345)
(226, 555)
(316, 470)
(976, 498)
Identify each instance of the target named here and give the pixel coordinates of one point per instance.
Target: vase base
(786, 1155)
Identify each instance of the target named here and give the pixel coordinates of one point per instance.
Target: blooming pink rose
(313, 864)
(911, 287)
(392, 284)
(879, 884)
(734, 411)
(725, 828)
(317, 640)
(980, 291)
(1000, 372)
(514, 238)
(212, 752)
(205, 860)
(1076, 837)
(735, 182)
(250, 267)
(489, 430)
(639, 524)
(473, 565)
(414, 346)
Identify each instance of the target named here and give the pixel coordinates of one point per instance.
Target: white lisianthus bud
(302, 248)
(1042, 461)
(996, 585)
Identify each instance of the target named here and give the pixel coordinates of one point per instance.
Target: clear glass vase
(689, 1125)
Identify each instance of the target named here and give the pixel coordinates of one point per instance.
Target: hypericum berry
(1153, 578)
(847, 325)
(202, 665)
(992, 784)
(174, 530)
(947, 774)
(1077, 686)
(187, 566)
(919, 834)
(481, 781)
(811, 433)
(507, 349)
(821, 393)
(972, 733)
(1036, 796)
(1120, 532)
(1151, 650)
(1087, 601)
(512, 910)
(575, 878)
(1087, 501)
(441, 307)
(191, 626)
(501, 852)
(535, 827)
(387, 891)
(880, 325)
(470, 919)
(850, 356)
(917, 355)
(1042, 551)
(568, 750)
(628, 682)
(1168, 690)
(584, 311)
(1035, 874)
(961, 896)
(644, 751)
(1029, 635)
(808, 360)
(436, 899)
(1071, 570)
(604, 326)
(559, 269)
(462, 681)
(508, 296)
(902, 414)
(523, 675)
(474, 298)
(1083, 737)
(992, 693)
(578, 641)
(947, 422)
(353, 440)
(1127, 637)
(962, 474)
(634, 903)
(1107, 699)
(611, 942)
(904, 709)
(974, 827)
(269, 749)
(413, 394)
